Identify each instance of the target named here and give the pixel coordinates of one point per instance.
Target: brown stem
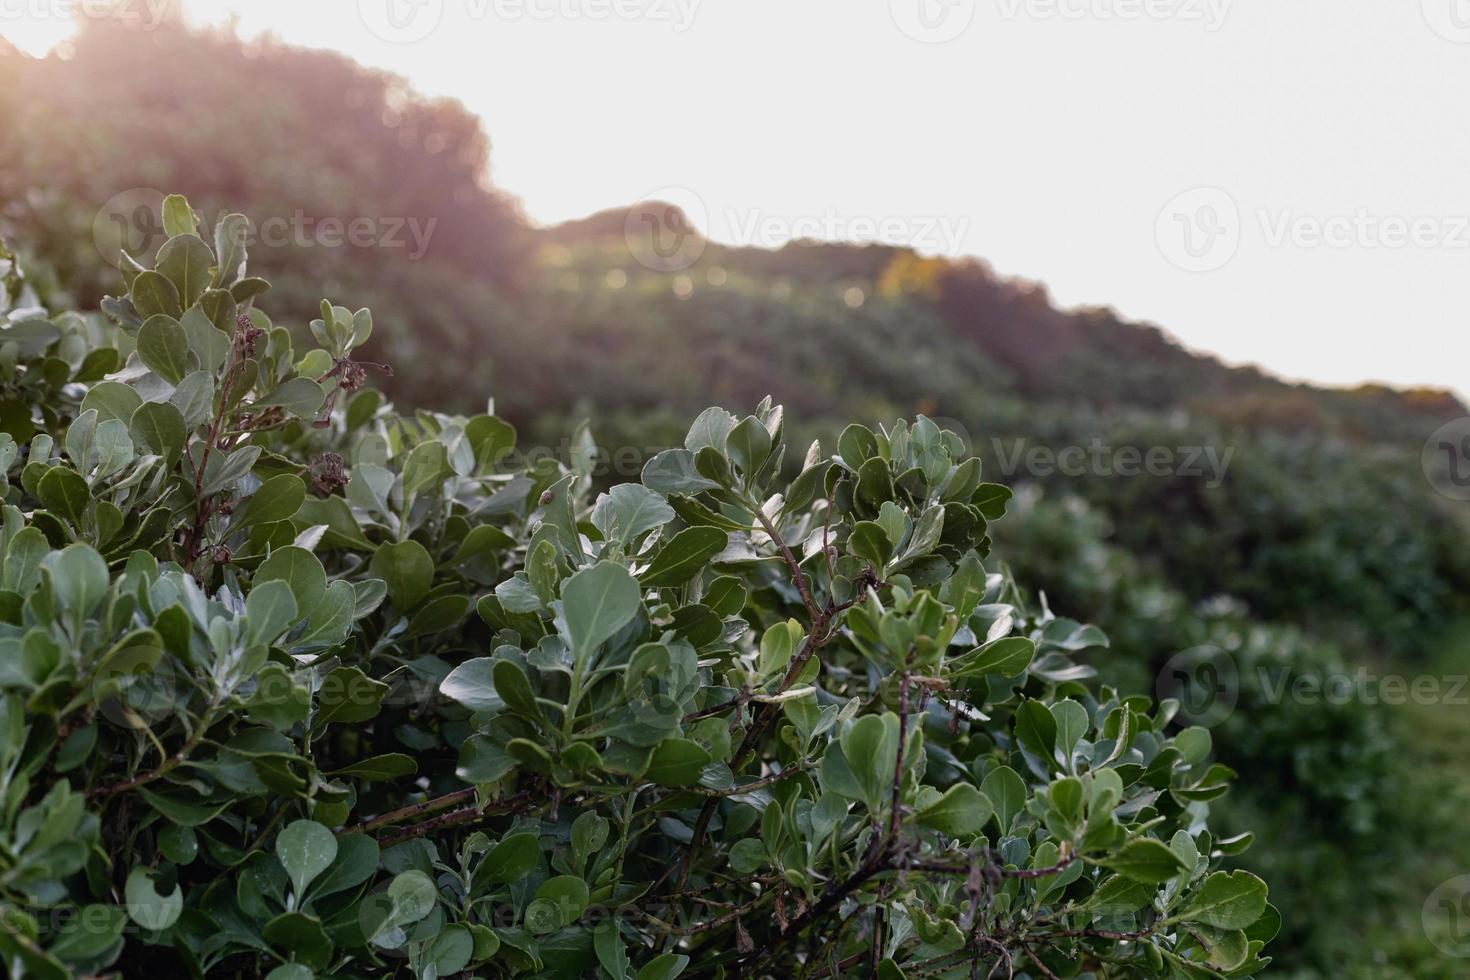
(735, 702)
(1038, 964)
(714, 923)
(203, 508)
(1095, 934)
(469, 814)
(786, 773)
(164, 768)
(878, 920)
(767, 712)
(1068, 857)
(903, 720)
(842, 966)
(819, 633)
(826, 538)
(410, 812)
(829, 900)
(797, 577)
(1005, 956)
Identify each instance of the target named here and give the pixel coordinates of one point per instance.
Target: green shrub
(1331, 790)
(294, 686)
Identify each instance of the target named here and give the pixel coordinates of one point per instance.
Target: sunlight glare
(36, 28)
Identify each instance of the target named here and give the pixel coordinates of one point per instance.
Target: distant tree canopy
(310, 142)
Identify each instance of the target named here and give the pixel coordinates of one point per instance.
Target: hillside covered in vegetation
(1290, 527)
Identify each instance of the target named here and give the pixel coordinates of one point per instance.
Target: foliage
(716, 722)
(1313, 532)
(1322, 532)
(348, 176)
(1335, 791)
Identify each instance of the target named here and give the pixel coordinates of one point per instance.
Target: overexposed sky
(1282, 182)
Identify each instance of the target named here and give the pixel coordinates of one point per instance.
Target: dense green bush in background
(1340, 814)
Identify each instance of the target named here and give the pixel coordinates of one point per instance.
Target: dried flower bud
(327, 474)
(245, 338)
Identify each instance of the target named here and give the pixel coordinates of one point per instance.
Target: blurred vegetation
(1319, 548)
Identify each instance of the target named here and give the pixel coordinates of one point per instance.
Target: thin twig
(1039, 965)
(1067, 859)
(903, 721)
(410, 812)
(720, 708)
(786, 773)
(164, 767)
(468, 814)
(798, 578)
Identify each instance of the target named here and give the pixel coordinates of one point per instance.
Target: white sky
(1052, 137)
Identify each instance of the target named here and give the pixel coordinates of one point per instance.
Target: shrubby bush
(1347, 541)
(297, 686)
(1336, 818)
